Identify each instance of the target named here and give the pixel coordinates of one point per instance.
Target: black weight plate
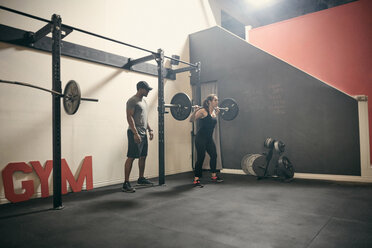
(269, 143)
(259, 166)
(285, 167)
(254, 164)
(71, 97)
(233, 111)
(279, 146)
(184, 106)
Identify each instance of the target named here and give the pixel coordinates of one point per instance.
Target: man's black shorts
(136, 150)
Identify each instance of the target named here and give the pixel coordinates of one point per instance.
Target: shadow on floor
(172, 190)
(112, 205)
(26, 213)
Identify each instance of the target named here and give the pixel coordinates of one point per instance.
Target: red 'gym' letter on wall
(43, 174)
(28, 185)
(85, 172)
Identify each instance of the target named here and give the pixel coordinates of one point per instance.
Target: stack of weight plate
(255, 164)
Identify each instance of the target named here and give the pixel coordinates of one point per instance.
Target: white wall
(216, 7)
(97, 129)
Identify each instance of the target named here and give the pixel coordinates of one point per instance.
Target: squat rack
(39, 41)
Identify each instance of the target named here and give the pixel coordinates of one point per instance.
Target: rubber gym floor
(240, 212)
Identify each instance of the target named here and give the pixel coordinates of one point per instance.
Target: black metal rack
(55, 45)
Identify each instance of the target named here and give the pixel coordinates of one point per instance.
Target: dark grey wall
(318, 124)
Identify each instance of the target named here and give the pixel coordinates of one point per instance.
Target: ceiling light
(260, 4)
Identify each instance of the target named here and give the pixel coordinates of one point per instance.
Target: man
(137, 112)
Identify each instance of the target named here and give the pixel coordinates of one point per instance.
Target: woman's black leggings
(203, 145)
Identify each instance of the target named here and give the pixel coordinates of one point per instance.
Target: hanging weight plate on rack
(180, 106)
(229, 109)
(71, 97)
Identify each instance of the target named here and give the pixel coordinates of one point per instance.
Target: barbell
(180, 107)
(71, 94)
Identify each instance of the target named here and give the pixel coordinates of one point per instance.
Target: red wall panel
(333, 45)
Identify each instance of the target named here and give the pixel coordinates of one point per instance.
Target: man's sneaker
(128, 188)
(216, 179)
(197, 183)
(144, 181)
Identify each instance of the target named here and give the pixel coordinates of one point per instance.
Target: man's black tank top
(207, 125)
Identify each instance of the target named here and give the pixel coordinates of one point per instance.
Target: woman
(207, 116)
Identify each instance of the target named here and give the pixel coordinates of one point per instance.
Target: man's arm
(130, 119)
(151, 132)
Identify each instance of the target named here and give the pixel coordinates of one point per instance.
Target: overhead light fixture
(260, 4)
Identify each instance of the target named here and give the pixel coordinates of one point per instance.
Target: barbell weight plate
(254, 164)
(279, 146)
(246, 164)
(183, 109)
(71, 97)
(285, 167)
(232, 111)
(269, 143)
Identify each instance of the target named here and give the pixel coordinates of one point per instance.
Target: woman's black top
(207, 125)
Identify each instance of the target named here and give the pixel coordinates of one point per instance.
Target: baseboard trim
(328, 177)
(342, 178)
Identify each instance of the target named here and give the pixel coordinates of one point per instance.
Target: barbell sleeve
(224, 109)
(172, 105)
(89, 99)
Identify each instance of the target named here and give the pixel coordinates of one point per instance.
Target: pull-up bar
(93, 34)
